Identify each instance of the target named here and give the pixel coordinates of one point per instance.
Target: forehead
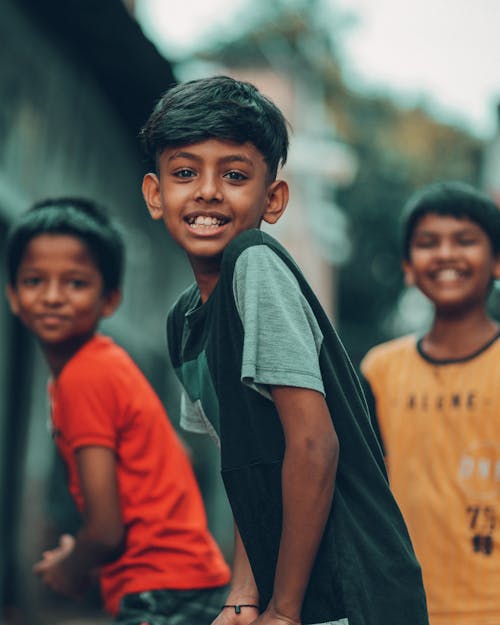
(44, 249)
(441, 224)
(212, 150)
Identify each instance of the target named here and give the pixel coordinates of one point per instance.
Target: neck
(454, 336)
(206, 275)
(57, 355)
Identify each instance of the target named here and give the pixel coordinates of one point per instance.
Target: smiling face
(59, 292)
(451, 262)
(208, 192)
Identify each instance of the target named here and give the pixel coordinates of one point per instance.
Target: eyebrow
(230, 158)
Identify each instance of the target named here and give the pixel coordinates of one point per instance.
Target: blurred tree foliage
(399, 151)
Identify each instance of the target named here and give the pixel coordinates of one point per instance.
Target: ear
(276, 201)
(151, 193)
(408, 272)
(111, 302)
(496, 267)
(12, 298)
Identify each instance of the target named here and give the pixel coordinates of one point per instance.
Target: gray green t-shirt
(263, 325)
(282, 339)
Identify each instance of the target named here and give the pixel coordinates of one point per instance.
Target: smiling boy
(205, 232)
(437, 402)
(318, 536)
(143, 523)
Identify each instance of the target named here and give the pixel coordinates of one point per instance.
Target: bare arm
(308, 481)
(100, 540)
(243, 588)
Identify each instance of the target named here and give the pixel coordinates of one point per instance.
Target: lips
(210, 221)
(448, 274)
(50, 319)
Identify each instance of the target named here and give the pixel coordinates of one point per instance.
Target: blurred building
(491, 164)
(77, 80)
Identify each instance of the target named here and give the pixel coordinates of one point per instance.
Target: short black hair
(453, 199)
(216, 108)
(77, 217)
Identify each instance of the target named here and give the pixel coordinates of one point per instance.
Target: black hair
(452, 199)
(216, 108)
(77, 217)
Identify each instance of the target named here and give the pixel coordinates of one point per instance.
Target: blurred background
(383, 97)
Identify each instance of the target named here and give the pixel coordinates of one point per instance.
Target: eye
(30, 281)
(235, 175)
(78, 283)
(185, 172)
(424, 243)
(466, 241)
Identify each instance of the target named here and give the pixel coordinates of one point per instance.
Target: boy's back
(101, 398)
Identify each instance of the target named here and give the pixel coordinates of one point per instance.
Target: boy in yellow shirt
(437, 404)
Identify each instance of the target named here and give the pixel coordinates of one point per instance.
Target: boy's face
(59, 293)
(208, 192)
(451, 262)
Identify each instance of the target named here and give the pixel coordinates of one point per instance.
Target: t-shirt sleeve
(88, 409)
(282, 338)
(193, 419)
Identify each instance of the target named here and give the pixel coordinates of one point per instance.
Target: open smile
(448, 275)
(206, 221)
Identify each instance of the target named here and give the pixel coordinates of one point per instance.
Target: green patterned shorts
(172, 607)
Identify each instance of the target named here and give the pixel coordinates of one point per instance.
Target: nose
(53, 293)
(447, 249)
(209, 188)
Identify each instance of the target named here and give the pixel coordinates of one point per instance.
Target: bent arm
(308, 481)
(101, 538)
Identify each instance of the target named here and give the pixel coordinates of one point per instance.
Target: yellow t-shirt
(440, 426)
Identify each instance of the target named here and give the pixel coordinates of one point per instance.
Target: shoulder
(256, 253)
(261, 275)
(256, 241)
(244, 240)
(495, 345)
(382, 355)
(95, 365)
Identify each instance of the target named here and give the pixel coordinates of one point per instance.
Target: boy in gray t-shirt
(319, 537)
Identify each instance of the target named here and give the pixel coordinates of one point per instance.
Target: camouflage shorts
(172, 607)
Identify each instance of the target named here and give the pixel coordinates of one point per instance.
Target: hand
(271, 617)
(229, 617)
(55, 571)
(65, 547)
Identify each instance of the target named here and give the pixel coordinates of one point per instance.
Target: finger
(67, 541)
(39, 567)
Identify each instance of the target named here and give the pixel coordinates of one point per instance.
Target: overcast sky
(444, 52)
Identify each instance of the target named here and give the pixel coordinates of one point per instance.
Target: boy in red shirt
(144, 524)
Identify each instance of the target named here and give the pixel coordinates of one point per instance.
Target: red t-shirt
(102, 398)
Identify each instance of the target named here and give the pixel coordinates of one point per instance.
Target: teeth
(448, 274)
(205, 221)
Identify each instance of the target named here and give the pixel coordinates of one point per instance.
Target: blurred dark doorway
(15, 373)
